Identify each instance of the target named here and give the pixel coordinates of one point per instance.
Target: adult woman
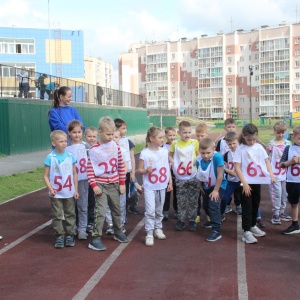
(61, 112)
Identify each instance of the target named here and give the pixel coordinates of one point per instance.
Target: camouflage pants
(187, 191)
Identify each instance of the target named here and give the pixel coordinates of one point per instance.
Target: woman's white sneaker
(249, 238)
(158, 233)
(257, 232)
(149, 240)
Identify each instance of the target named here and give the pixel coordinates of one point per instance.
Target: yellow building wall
(65, 56)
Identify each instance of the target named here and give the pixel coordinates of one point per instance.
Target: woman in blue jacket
(61, 112)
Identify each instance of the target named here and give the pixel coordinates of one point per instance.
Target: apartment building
(98, 72)
(209, 77)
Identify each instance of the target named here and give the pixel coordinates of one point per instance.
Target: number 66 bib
(183, 163)
(293, 171)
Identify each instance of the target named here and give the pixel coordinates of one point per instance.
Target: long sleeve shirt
(120, 177)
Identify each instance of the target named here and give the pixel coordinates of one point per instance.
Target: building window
(256, 99)
(229, 80)
(256, 56)
(17, 46)
(173, 56)
(229, 49)
(183, 93)
(257, 109)
(174, 103)
(229, 90)
(242, 100)
(184, 65)
(242, 69)
(196, 92)
(242, 58)
(256, 67)
(257, 89)
(297, 86)
(196, 73)
(229, 70)
(241, 90)
(297, 98)
(229, 59)
(257, 46)
(297, 52)
(196, 62)
(256, 77)
(297, 108)
(184, 74)
(229, 100)
(297, 75)
(242, 80)
(297, 41)
(249, 47)
(184, 83)
(297, 64)
(173, 66)
(241, 48)
(173, 75)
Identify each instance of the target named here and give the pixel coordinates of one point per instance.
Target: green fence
(24, 123)
(166, 121)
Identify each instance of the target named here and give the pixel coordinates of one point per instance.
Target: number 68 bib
(159, 178)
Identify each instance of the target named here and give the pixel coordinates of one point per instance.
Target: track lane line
(241, 262)
(95, 279)
(24, 237)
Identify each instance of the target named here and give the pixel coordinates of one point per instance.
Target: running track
(184, 266)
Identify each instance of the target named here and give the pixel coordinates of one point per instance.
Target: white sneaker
(1, 237)
(158, 233)
(249, 238)
(149, 240)
(257, 232)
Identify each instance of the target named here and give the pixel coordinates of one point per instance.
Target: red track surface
(184, 266)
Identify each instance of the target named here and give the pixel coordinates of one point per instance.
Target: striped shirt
(120, 177)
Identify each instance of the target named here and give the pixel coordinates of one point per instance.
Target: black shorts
(293, 191)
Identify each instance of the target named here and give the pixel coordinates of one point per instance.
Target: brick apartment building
(209, 77)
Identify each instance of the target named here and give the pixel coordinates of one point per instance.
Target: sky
(110, 26)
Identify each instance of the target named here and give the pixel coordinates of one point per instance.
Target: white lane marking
(241, 262)
(24, 237)
(94, 280)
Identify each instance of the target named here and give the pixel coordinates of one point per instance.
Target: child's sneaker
(257, 232)
(260, 223)
(197, 220)
(192, 226)
(292, 229)
(59, 243)
(158, 233)
(284, 217)
(248, 238)
(149, 240)
(276, 220)
(97, 245)
(110, 229)
(1, 237)
(82, 235)
(70, 242)
(166, 215)
(176, 214)
(179, 226)
(214, 236)
(121, 237)
(89, 228)
(206, 224)
(238, 210)
(222, 217)
(228, 209)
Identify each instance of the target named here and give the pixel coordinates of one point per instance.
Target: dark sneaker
(214, 236)
(276, 220)
(228, 209)
(292, 229)
(179, 226)
(121, 237)
(90, 228)
(284, 217)
(59, 243)
(166, 215)
(238, 210)
(110, 229)
(97, 245)
(70, 242)
(175, 214)
(260, 223)
(206, 224)
(192, 226)
(134, 210)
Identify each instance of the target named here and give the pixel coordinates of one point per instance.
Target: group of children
(89, 182)
(99, 177)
